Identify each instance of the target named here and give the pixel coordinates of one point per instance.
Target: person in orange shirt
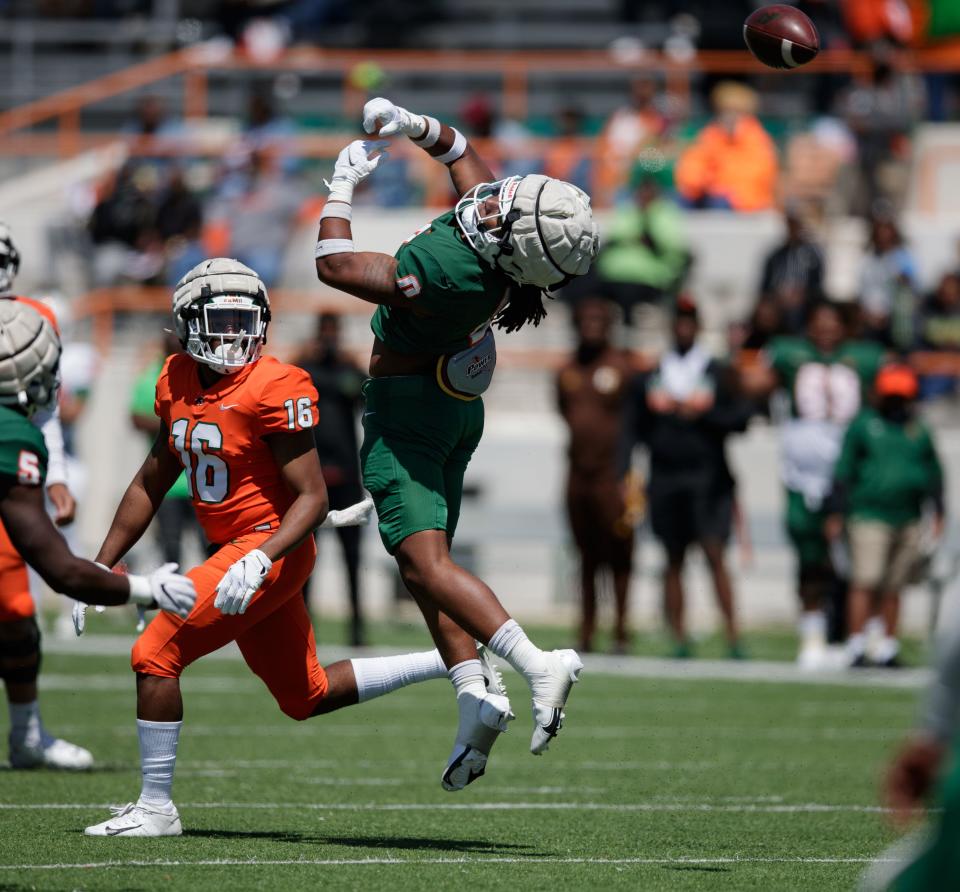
(31, 745)
(732, 163)
(240, 426)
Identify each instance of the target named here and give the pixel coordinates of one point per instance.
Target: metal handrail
(195, 63)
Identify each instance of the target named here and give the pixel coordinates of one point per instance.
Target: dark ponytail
(525, 305)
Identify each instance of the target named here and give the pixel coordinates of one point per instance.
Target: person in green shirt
(645, 255)
(486, 263)
(887, 473)
(825, 375)
(29, 381)
(175, 516)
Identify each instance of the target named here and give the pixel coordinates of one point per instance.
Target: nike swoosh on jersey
(224, 408)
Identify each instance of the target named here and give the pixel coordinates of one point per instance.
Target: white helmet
(29, 358)
(540, 231)
(9, 259)
(220, 313)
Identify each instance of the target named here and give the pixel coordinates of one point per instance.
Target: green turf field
(653, 784)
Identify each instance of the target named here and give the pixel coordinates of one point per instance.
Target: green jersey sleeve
(422, 280)
(785, 355)
(23, 454)
(846, 467)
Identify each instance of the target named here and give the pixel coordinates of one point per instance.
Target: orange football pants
(16, 603)
(274, 635)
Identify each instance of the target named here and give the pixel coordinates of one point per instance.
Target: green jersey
(453, 293)
(887, 469)
(142, 401)
(23, 454)
(825, 387)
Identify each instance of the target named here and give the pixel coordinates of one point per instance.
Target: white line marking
(610, 732)
(361, 862)
(625, 667)
(770, 808)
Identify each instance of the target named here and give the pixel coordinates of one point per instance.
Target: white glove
(164, 588)
(352, 516)
(391, 119)
(353, 165)
(241, 581)
(80, 615)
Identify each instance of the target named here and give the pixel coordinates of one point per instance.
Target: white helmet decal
(540, 231)
(220, 312)
(9, 259)
(29, 358)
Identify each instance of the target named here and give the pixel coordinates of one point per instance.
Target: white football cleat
(482, 720)
(141, 820)
(550, 691)
(56, 754)
(491, 674)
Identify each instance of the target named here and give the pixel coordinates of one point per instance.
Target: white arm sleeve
(49, 424)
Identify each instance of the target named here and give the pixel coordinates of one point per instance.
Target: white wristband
(140, 591)
(333, 246)
(456, 150)
(339, 209)
(431, 136)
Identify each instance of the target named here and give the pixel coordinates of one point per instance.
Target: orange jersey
(218, 435)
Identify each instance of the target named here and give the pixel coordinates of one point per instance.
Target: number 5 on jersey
(208, 477)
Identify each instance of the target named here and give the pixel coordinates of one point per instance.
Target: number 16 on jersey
(209, 481)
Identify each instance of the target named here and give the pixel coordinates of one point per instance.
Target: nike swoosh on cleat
(116, 831)
(555, 723)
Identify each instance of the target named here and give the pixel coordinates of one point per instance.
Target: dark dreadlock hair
(525, 305)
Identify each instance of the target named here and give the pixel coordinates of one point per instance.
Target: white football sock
(813, 626)
(377, 676)
(26, 729)
(510, 643)
(467, 677)
(158, 757)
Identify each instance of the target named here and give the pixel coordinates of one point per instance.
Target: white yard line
(361, 862)
(628, 667)
(606, 732)
(764, 807)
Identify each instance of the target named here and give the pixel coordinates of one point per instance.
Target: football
(781, 36)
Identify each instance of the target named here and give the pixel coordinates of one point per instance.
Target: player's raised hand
(241, 582)
(164, 588)
(382, 117)
(352, 516)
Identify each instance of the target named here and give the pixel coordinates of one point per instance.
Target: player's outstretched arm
(296, 457)
(365, 274)
(446, 144)
(157, 474)
(37, 540)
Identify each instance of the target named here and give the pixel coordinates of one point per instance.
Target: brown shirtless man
(590, 392)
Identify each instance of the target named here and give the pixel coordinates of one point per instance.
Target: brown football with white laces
(781, 36)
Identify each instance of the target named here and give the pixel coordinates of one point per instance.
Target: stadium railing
(195, 64)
